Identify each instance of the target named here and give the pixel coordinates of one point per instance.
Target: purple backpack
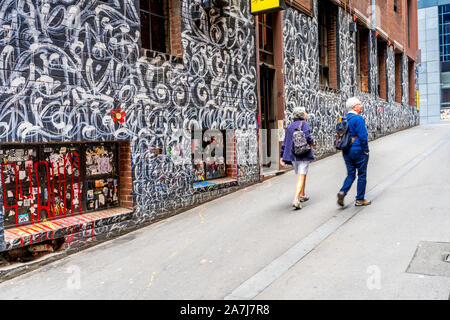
(300, 144)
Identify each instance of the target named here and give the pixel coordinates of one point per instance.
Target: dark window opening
(43, 182)
(327, 45)
(154, 16)
(382, 81)
(395, 6)
(445, 97)
(411, 83)
(362, 62)
(265, 25)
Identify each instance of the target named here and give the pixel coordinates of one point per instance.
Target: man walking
(357, 157)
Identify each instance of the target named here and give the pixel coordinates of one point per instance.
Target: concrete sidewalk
(209, 251)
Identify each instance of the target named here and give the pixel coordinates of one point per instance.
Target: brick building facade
(100, 117)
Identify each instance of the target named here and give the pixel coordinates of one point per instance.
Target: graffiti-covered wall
(300, 36)
(67, 66)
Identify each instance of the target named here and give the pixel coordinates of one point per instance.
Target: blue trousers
(356, 160)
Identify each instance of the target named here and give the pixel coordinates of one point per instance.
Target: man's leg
(362, 162)
(351, 173)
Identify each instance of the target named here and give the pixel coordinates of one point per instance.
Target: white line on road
(261, 280)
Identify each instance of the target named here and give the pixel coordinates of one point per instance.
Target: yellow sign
(417, 99)
(266, 6)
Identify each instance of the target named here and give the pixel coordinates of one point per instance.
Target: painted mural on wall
(300, 34)
(67, 74)
(390, 65)
(347, 56)
(405, 80)
(73, 71)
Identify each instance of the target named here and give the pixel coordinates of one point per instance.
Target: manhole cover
(431, 258)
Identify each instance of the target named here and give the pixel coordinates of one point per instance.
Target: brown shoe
(363, 202)
(341, 197)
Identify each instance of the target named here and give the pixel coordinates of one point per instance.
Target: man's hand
(282, 162)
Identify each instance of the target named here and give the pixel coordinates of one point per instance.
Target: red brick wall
(175, 28)
(126, 199)
(303, 5)
(230, 154)
(411, 49)
(395, 24)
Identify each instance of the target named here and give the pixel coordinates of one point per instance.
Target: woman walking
(300, 163)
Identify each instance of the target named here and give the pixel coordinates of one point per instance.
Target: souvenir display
(45, 182)
(19, 185)
(208, 156)
(99, 160)
(102, 193)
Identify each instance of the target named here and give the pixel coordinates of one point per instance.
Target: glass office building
(444, 57)
(434, 67)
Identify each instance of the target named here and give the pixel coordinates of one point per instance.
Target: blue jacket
(357, 127)
(286, 148)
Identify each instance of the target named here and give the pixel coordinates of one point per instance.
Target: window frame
(266, 28)
(150, 30)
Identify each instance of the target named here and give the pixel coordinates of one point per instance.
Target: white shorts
(301, 167)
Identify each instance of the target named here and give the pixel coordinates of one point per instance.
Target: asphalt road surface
(252, 244)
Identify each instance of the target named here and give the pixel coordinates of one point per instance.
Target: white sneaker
(297, 204)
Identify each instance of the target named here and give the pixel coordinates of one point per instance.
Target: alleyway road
(251, 244)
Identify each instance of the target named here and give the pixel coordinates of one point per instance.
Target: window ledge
(215, 183)
(164, 57)
(329, 89)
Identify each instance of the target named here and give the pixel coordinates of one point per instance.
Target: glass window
(155, 25)
(444, 32)
(265, 27)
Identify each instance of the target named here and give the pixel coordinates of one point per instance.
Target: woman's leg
(298, 189)
(303, 183)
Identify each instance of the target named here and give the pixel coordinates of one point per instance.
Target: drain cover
(431, 258)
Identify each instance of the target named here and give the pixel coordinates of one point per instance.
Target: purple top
(286, 148)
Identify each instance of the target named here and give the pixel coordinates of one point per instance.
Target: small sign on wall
(266, 6)
(281, 131)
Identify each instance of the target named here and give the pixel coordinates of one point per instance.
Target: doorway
(267, 112)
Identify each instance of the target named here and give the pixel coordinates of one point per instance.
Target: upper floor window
(265, 25)
(327, 14)
(362, 61)
(395, 6)
(155, 25)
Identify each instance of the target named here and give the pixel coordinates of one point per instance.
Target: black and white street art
(65, 65)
